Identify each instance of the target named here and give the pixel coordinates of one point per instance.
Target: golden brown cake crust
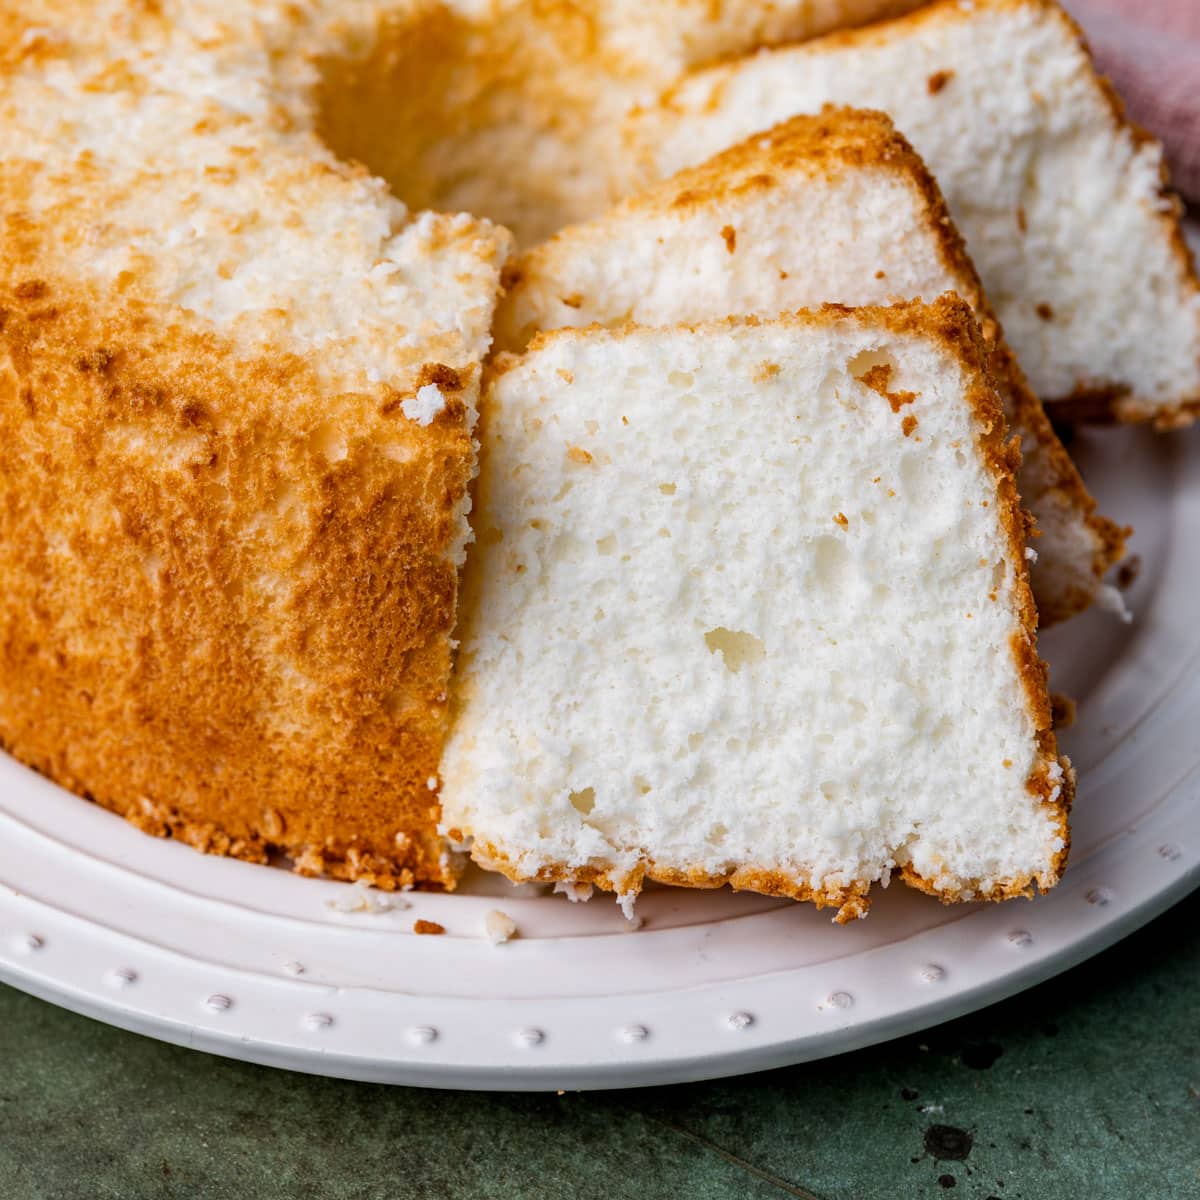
(950, 321)
(229, 525)
(208, 625)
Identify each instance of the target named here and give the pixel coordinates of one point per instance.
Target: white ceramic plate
(256, 964)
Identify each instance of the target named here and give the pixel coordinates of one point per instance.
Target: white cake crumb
(626, 902)
(1031, 555)
(425, 405)
(575, 892)
(499, 927)
(361, 897)
(431, 783)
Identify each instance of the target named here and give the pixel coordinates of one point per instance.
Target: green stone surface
(1085, 1088)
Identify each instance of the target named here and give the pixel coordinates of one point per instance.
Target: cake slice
(1061, 201)
(237, 391)
(835, 207)
(749, 605)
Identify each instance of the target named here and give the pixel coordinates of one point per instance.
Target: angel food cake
(830, 208)
(240, 355)
(750, 606)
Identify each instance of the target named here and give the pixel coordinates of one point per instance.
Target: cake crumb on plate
(499, 927)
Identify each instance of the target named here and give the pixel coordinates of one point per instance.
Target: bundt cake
(241, 355)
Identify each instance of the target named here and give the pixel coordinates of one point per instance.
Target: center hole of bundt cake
(504, 119)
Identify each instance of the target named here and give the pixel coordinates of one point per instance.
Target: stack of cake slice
(736, 576)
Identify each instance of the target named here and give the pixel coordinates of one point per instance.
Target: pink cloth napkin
(1151, 51)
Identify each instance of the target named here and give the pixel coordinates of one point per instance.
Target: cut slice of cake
(237, 392)
(836, 208)
(1062, 203)
(749, 605)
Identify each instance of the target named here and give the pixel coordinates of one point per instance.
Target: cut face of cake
(237, 391)
(1061, 201)
(834, 208)
(749, 605)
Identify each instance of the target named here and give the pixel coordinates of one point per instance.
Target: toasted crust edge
(129, 357)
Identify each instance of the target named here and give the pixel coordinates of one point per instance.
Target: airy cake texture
(837, 208)
(1062, 203)
(237, 389)
(749, 605)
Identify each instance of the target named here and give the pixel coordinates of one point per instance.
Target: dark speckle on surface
(908, 1093)
(947, 1181)
(948, 1142)
(1107, 1110)
(1128, 571)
